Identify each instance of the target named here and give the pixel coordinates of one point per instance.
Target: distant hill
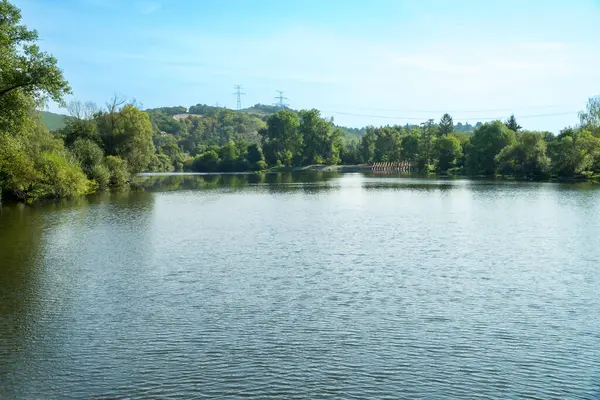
(352, 134)
(185, 116)
(466, 128)
(53, 121)
(264, 111)
(261, 110)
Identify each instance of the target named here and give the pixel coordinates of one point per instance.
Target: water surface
(304, 286)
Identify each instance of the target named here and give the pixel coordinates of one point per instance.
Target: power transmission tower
(239, 94)
(280, 103)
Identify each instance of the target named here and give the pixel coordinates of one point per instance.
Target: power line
(549, 115)
(280, 103)
(239, 94)
(456, 118)
(413, 110)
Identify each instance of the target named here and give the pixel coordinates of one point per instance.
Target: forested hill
(263, 110)
(53, 121)
(219, 120)
(202, 125)
(171, 120)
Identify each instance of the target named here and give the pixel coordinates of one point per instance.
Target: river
(309, 286)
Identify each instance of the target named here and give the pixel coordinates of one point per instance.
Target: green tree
(117, 167)
(206, 162)
(575, 151)
(81, 123)
(229, 155)
(167, 146)
(367, 145)
(350, 153)
(590, 145)
(590, 118)
(33, 163)
(255, 157)
(427, 145)
(101, 175)
(79, 129)
(17, 170)
(127, 133)
(567, 158)
(162, 121)
(230, 151)
(487, 141)
(526, 157)
(321, 140)
(548, 136)
(446, 125)
(388, 144)
(24, 68)
(88, 153)
(449, 151)
(160, 163)
(410, 147)
(283, 136)
(464, 140)
(59, 176)
(335, 143)
(511, 123)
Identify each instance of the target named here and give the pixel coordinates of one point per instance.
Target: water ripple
(376, 290)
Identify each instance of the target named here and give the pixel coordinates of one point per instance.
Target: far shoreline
(364, 168)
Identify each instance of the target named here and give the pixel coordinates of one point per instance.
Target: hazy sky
(362, 62)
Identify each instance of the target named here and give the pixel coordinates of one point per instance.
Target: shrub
(119, 176)
(101, 175)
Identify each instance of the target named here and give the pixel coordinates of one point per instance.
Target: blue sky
(362, 62)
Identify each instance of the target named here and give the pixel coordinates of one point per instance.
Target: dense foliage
(97, 148)
(291, 138)
(493, 148)
(204, 126)
(33, 164)
(110, 145)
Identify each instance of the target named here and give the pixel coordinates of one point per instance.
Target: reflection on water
(169, 182)
(315, 180)
(313, 285)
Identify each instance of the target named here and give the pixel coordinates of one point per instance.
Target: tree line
(103, 147)
(493, 148)
(290, 138)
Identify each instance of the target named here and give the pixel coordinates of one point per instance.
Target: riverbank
(259, 176)
(324, 168)
(366, 168)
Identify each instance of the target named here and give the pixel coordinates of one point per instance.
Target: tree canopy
(101, 147)
(33, 164)
(511, 123)
(23, 66)
(487, 141)
(446, 125)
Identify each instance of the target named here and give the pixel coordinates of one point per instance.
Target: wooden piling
(388, 167)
